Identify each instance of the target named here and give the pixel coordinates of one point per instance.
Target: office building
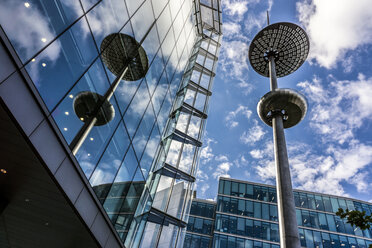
(200, 226)
(247, 216)
(129, 181)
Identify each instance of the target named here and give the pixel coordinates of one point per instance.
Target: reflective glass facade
(201, 224)
(147, 152)
(247, 216)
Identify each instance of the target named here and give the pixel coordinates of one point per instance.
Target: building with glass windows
(247, 216)
(103, 104)
(200, 226)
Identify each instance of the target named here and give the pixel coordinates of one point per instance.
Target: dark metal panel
(6, 65)
(20, 102)
(98, 229)
(69, 180)
(86, 207)
(47, 145)
(111, 242)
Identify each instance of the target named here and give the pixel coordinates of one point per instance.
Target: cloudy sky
(330, 151)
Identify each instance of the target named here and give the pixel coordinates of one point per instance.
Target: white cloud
(334, 27)
(206, 153)
(230, 117)
(330, 116)
(234, 62)
(231, 28)
(323, 172)
(222, 170)
(221, 158)
(254, 134)
(257, 154)
(234, 8)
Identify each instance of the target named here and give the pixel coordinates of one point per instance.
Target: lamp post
(127, 60)
(276, 51)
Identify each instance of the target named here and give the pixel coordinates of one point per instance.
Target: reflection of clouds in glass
(30, 30)
(187, 158)
(178, 25)
(85, 164)
(182, 122)
(140, 101)
(173, 152)
(152, 145)
(105, 173)
(107, 17)
(193, 129)
(142, 20)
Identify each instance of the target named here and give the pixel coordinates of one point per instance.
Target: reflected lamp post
(276, 51)
(127, 60)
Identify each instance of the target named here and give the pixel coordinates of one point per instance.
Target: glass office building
(247, 216)
(201, 224)
(130, 181)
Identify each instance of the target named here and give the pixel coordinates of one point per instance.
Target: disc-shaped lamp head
(287, 102)
(287, 42)
(121, 50)
(85, 104)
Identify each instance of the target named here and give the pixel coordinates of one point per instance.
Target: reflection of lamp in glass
(276, 51)
(127, 60)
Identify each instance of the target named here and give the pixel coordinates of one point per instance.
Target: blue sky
(330, 151)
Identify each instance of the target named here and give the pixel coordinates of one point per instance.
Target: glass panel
(335, 205)
(136, 109)
(274, 233)
(342, 203)
(323, 221)
(311, 201)
(299, 217)
(249, 228)
(305, 218)
(265, 211)
(343, 242)
(331, 223)
(272, 195)
(220, 187)
(227, 188)
(317, 240)
(302, 237)
(240, 226)
(326, 240)
(232, 224)
(68, 57)
(335, 241)
(265, 230)
(273, 212)
(249, 208)
(112, 158)
(106, 18)
(327, 204)
(257, 229)
(309, 238)
(37, 23)
(319, 203)
(257, 210)
(303, 200)
(234, 188)
(242, 189)
(249, 191)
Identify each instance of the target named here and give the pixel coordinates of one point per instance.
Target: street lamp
(276, 51)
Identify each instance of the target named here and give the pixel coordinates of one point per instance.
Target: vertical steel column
(288, 229)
